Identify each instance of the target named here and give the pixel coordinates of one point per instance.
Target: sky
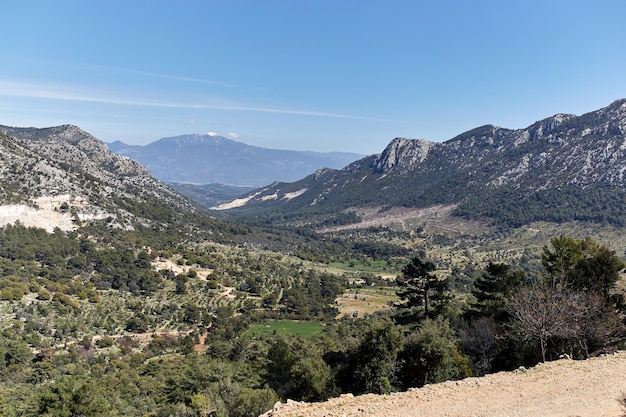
(320, 75)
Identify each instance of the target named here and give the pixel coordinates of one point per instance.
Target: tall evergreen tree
(420, 287)
(496, 283)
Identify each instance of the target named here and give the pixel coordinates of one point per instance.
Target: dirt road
(563, 388)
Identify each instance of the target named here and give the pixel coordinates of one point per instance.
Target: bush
(11, 293)
(430, 355)
(105, 342)
(44, 294)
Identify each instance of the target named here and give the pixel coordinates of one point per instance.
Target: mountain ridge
(488, 171)
(66, 166)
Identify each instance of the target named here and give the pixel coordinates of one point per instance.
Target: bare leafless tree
(599, 321)
(479, 339)
(544, 312)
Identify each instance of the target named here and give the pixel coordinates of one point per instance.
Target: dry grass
(365, 301)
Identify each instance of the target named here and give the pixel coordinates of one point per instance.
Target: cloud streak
(178, 78)
(12, 89)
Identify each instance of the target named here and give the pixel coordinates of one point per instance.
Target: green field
(286, 328)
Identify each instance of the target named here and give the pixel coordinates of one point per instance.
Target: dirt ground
(373, 217)
(564, 388)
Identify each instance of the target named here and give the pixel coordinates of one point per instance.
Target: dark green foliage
(599, 204)
(14, 354)
(430, 355)
(313, 379)
(121, 269)
(419, 287)
(496, 283)
(181, 283)
(297, 370)
(313, 295)
(32, 244)
(138, 323)
(582, 264)
(372, 364)
(70, 397)
(280, 359)
(61, 257)
(380, 250)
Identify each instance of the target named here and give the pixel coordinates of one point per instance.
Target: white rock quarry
(47, 213)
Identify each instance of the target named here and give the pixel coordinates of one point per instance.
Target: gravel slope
(562, 388)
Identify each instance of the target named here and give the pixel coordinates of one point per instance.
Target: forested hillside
(158, 308)
(121, 331)
(560, 169)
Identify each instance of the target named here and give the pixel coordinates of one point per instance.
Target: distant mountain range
(562, 168)
(207, 159)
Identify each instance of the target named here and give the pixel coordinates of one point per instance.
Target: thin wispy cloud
(288, 111)
(178, 78)
(13, 89)
(72, 67)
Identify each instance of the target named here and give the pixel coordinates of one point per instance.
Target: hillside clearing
(362, 301)
(438, 217)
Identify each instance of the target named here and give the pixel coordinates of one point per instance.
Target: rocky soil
(563, 388)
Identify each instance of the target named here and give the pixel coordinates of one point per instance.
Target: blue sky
(323, 75)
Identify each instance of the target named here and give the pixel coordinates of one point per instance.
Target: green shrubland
(90, 326)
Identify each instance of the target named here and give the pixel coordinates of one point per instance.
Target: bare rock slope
(63, 176)
(562, 388)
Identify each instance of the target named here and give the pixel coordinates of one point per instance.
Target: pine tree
(421, 288)
(491, 289)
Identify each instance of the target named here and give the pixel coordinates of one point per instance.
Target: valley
(422, 264)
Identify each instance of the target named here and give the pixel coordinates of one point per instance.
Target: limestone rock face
(579, 161)
(68, 177)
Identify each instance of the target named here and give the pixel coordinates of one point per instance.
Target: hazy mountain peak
(195, 139)
(205, 159)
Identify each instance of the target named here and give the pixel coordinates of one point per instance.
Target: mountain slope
(68, 167)
(210, 195)
(561, 168)
(205, 159)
